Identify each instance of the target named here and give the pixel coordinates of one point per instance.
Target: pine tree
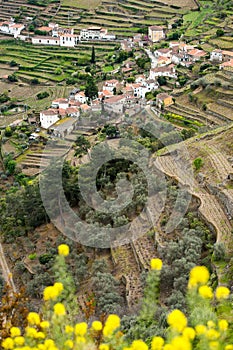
(93, 55)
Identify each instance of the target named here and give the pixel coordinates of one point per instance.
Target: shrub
(198, 163)
(42, 95)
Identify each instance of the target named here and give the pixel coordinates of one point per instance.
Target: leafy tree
(91, 89)
(82, 145)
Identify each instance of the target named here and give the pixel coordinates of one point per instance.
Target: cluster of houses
(114, 98)
(55, 35)
(224, 57)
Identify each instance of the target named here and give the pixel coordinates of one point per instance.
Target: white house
(45, 40)
(95, 33)
(110, 85)
(81, 97)
(162, 52)
(48, 117)
(68, 40)
(216, 55)
(60, 103)
(11, 28)
(166, 71)
(156, 33)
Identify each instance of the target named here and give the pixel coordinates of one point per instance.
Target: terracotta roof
(85, 107)
(50, 111)
(45, 29)
(62, 100)
(227, 53)
(162, 96)
(196, 52)
(156, 28)
(17, 25)
(115, 99)
(227, 64)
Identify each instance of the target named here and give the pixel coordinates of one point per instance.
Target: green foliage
(42, 95)
(82, 145)
(91, 89)
(198, 163)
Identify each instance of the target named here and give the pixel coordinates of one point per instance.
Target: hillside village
(151, 84)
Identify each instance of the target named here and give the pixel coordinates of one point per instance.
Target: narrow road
(154, 61)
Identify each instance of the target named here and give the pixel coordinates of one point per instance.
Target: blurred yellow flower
(63, 249)
(97, 325)
(181, 343)
(31, 332)
(58, 286)
(229, 347)
(223, 325)
(205, 292)
(189, 333)
(200, 329)
(19, 340)
(33, 318)
(111, 324)
(50, 293)
(8, 343)
(212, 334)
(15, 332)
(69, 329)
(139, 345)
(44, 324)
(69, 343)
(59, 309)
(156, 264)
(157, 343)
(80, 329)
(104, 347)
(177, 320)
(211, 324)
(198, 275)
(214, 345)
(222, 292)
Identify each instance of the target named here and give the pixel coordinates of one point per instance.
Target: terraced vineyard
(123, 17)
(42, 62)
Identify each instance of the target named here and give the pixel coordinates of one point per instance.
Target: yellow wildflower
(177, 320)
(63, 249)
(222, 292)
(168, 347)
(50, 293)
(104, 347)
(97, 325)
(111, 324)
(200, 329)
(223, 325)
(212, 334)
(15, 332)
(80, 329)
(40, 335)
(58, 286)
(157, 343)
(19, 340)
(139, 345)
(181, 343)
(206, 292)
(80, 339)
(49, 343)
(156, 264)
(8, 343)
(211, 324)
(189, 333)
(59, 309)
(69, 329)
(31, 332)
(33, 318)
(229, 347)
(69, 343)
(45, 324)
(198, 275)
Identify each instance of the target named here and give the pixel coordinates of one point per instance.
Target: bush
(42, 95)
(198, 163)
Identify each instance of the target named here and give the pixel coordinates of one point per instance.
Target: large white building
(95, 33)
(11, 28)
(49, 117)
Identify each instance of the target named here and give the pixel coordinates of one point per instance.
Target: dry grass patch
(82, 4)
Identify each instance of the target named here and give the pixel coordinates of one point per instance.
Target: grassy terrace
(41, 62)
(121, 17)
